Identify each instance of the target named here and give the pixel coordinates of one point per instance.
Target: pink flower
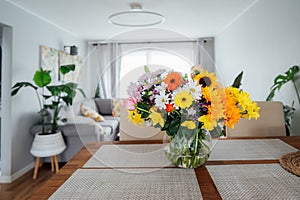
(130, 103)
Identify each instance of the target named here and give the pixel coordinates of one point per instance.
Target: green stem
(141, 109)
(298, 96)
(178, 113)
(196, 146)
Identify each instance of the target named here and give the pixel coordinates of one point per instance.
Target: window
(132, 65)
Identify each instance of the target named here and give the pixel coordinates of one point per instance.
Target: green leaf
(42, 78)
(54, 89)
(18, 86)
(67, 100)
(281, 79)
(174, 126)
(146, 68)
(237, 81)
(82, 92)
(64, 69)
(97, 91)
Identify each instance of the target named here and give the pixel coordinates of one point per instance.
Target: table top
(206, 184)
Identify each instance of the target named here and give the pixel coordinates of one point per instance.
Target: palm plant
(50, 97)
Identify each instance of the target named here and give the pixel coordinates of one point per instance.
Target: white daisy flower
(194, 89)
(161, 88)
(161, 100)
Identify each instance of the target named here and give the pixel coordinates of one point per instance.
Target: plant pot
(189, 148)
(47, 145)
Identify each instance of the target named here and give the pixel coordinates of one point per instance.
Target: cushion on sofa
(91, 113)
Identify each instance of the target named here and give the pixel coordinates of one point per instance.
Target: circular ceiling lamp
(136, 17)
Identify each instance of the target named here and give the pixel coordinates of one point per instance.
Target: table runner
(146, 155)
(169, 183)
(255, 149)
(254, 181)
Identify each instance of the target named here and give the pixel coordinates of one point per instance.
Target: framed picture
(50, 60)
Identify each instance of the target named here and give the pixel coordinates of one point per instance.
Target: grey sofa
(80, 130)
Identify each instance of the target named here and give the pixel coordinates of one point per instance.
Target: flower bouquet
(187, 108)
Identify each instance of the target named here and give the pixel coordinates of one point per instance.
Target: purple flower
(144, 77)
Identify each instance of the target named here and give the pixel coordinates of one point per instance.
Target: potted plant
(51, 98)
(279, 81)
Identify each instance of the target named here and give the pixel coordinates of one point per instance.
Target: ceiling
(87, 19)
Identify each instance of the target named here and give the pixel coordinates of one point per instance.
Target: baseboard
(18, 174)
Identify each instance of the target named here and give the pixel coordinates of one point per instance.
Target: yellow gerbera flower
(208, 123)
(183, 99)
(135, 117)
(189, 124)
(206, 79)
(156, 118)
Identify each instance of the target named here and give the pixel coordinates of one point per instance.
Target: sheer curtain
(118, 64)
(105, 68)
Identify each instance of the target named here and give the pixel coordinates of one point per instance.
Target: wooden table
(207, 187)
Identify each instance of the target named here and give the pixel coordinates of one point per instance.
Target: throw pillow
(88, 112)
(117, 104)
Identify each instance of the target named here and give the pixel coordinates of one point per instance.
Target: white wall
(263, 42)
(29, 32)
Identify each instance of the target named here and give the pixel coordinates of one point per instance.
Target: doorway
(6, 35)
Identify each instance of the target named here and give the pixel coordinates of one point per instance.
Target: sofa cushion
(104, 106)
(91, 113)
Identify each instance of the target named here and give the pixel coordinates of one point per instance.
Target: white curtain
(105, 68)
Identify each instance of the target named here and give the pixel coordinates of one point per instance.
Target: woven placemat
(291, 162)
(255, 181)
(146, 155)
(110, 184)
(254, 149)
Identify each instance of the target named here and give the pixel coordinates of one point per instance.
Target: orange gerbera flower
(215, 111)
(173, 80)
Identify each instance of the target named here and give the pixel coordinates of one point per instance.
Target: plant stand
(54, 165)
(49, 145)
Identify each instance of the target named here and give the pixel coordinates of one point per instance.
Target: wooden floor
(25, 186)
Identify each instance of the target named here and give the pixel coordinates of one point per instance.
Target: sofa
(80, 130)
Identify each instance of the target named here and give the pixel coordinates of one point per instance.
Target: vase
(189, 148)
(46, 145)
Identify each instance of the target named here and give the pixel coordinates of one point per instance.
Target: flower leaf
(237, 81)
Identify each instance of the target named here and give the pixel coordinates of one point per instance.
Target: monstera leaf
(281, 79)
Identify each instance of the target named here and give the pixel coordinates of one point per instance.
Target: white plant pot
(47, 145)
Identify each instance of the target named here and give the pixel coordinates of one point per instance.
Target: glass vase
(189, 148)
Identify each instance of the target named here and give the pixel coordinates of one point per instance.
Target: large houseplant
(279, 81)
(51, 98)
